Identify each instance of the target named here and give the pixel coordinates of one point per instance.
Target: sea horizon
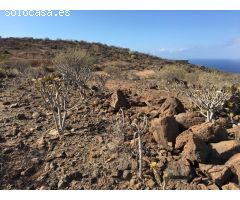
(226, 65)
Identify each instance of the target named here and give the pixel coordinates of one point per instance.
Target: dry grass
(147, 74)
(112, 69)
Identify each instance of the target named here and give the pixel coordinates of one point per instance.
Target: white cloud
(171, 50)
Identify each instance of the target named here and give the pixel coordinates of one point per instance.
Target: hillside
(149, 123)
(34, 52)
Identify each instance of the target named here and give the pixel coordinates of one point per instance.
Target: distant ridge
(36, 52)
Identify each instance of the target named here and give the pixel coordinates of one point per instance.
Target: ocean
(220, 64)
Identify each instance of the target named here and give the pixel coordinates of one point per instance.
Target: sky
(168, 34)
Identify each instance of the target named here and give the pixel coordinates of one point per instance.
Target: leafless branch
(140, 126)
(54, 92)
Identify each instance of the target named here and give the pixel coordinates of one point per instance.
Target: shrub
(140, 125)
(54, 91)
(2, 73)
(75, 66)
(168, 74)
(112, 70)
(209, 98)
(100, 80)
(7, 72)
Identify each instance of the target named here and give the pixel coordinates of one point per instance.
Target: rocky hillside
(131, 135)
(34, 52)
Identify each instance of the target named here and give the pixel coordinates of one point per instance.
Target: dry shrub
(7, 72)
(24, 68)
(220, 80)
(2, 72)
(76, 66)
(209, 91)
(170, 73)
(112, 70)
(99, 80)
(54, 92)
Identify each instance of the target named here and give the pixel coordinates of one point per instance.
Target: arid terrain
(135, 130)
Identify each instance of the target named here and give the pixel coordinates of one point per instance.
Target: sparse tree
(54, 91)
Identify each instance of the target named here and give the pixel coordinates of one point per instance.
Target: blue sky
(169, 34)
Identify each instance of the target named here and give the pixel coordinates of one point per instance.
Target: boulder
(193, 148)
(220, 174)
(234, 159)
(234, 132)
(234, 164)
(119, 100)
(225, 149)
(231, 186)
(171, 106)
(189, 119)
(164, 130)
(208, 132)
(178, 170)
